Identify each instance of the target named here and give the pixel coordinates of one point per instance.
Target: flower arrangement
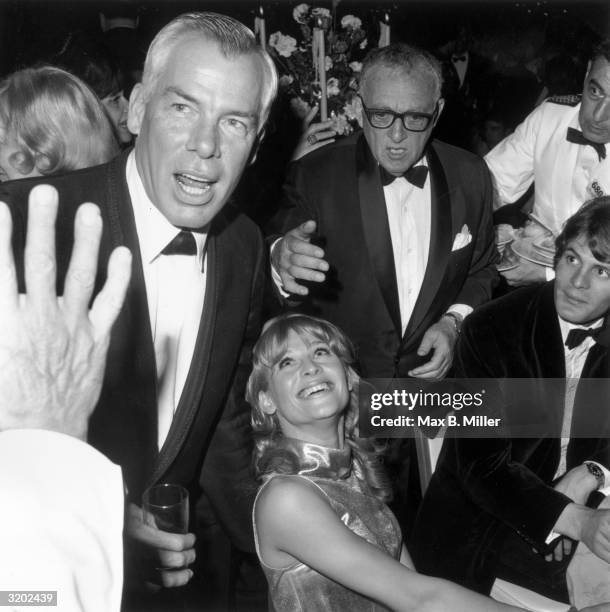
(299, 82)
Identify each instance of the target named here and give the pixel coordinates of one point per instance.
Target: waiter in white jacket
(561, 147)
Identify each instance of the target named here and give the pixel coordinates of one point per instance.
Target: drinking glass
(167, 507)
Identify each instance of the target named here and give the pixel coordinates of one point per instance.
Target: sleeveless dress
(298, 587)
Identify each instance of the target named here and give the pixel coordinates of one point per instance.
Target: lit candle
(384, 31)
(260, 28)
(319, 44)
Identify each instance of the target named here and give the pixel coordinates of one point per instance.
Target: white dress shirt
(409, 217)
(175, 290)
(575, 361)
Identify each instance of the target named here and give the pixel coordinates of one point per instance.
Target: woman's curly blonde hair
(268, 456)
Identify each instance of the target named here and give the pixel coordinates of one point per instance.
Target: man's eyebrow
(598, 85)
(172, 89)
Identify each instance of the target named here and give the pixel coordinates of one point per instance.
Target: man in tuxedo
(171, 407)
(508, 507)
(561, 148)
(391, 231)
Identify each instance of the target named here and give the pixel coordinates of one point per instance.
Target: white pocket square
(461, 239)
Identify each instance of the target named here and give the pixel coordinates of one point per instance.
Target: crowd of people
(134, 350)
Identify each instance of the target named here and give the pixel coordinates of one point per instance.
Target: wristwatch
(596, 471)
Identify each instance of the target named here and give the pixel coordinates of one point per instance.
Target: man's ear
(255, 147)
(440, 106)
(137, 108)
(266, 404)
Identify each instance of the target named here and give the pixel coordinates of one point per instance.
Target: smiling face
(594, 115)
(395, 147)
(196, 129)
(582, 284)
(308, 389)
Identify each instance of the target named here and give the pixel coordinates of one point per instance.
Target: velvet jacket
(485, 489)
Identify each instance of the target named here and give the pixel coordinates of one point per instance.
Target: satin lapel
(440, 242)
(377, 230)
(134, 319)
(190, 398)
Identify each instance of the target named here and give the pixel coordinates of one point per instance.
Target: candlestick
(260, 28)
(384, 31)
(318, 33)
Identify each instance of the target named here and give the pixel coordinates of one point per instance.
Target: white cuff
(275, 275)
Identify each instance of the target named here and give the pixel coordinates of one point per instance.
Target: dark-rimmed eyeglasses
(383, 118)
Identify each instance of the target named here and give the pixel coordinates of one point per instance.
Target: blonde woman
(51, 122)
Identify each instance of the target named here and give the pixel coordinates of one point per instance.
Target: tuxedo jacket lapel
(440, 243)
(135, 314)
(195, 381)
(377, 230)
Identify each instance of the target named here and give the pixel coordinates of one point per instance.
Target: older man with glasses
(387, 233)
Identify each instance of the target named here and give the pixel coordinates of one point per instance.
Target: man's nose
(580, 279)
(204, 139)
(601, 112)
(397, 130)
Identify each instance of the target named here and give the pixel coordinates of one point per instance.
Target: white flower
(299, 107)
(364, 43)
(341, 124)
(332, 87)
(328, 63)
(351, 22)
(284, 45)
(355, 66)
(286, 80)
(320, 12)
(353, 110)
(299, 13)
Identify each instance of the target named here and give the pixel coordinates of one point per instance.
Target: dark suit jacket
(485, 491)
(209, 439)
(339, 187)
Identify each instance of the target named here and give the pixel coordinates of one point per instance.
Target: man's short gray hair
(400, 56)
(233, 38)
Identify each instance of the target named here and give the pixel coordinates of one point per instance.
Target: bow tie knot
(577, 137)
(183, 243)
(458, 58)
(577, 336)
(416, 175)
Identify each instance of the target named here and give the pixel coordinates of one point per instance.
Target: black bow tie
(416, 175)
(577, 336)
(458, 58)
(183, 243)
(577, 137)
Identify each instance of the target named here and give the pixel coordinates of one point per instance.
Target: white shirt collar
(155, 232)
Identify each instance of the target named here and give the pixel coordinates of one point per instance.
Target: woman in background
(51, 122)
